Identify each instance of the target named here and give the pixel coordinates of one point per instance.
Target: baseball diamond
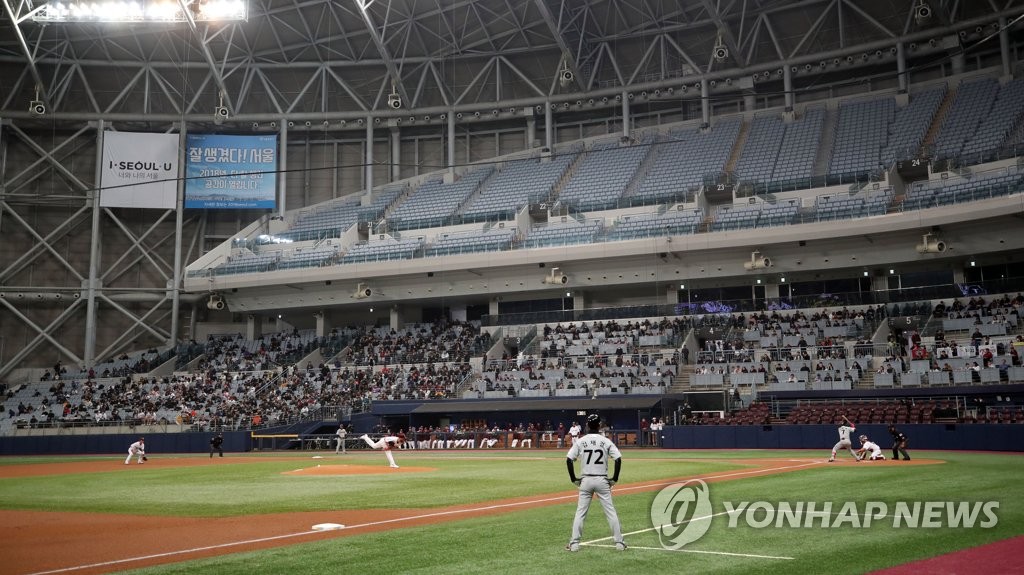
(414, 286)
(296, 495)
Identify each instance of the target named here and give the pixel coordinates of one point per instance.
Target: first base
(327, 526)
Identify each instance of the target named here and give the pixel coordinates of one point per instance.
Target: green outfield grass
(532, 541)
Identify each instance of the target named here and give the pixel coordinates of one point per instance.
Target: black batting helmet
(594, 421)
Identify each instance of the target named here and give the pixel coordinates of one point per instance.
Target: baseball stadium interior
(717, 224)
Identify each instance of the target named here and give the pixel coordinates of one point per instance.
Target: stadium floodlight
(143, 11)
(757, 262)
(362, 291)
(556, 278)
(932, 245)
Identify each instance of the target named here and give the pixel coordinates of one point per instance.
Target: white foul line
(749, 555)
(171, 553)
(410, 518)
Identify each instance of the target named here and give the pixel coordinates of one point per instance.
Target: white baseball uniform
(876, 451)
(594, 452)
(137, 449)
(844, 441)
(574, 432)
(383, 443)
(341, 433)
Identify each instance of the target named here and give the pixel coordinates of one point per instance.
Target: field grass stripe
(644, 486)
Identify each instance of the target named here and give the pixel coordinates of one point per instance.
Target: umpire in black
(216, 444)
(899, 444)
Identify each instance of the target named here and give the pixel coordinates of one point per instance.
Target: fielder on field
(594, 450)
(869, 450)
(137, 449)
(844, 440)
(340, 438)
(387, 443)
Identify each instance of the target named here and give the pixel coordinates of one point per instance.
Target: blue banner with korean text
(231, 172)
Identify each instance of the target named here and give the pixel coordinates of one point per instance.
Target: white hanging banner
(140, 170)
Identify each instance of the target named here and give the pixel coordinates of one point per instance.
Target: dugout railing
(446, 441)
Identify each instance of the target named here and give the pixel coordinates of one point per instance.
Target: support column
(625, 115)
(396, 155)
(549, 128)
(397, 320)
(787, 86)
(1004, 48)
(958, 276)
(321, 323)
(705, 103)
(579, 300)
(282, 166)
(94, 257)
(253, 326)
(749, 102)
(335, 171)
(368, 180)
(957, 62)
(672, 294)
(492, 306)
(457, 312)
(451, 142)
(880, 287)
(307, 169)
(531, 130)
(901, 67)
(179, 207)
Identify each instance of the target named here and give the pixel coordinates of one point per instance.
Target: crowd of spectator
(243, 383)
(216, 399)
(450, 341)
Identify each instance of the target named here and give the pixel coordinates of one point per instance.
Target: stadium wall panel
(959, 436)
(969, 437)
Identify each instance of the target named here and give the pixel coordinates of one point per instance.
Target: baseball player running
(387, 443)
(137, 449)
(593, 450)
(867, 446)
(899, 444)
(844, 440)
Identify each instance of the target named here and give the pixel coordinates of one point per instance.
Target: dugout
(619, 412)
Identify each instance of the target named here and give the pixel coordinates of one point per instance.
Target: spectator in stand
(918, 352)
(1004, 369)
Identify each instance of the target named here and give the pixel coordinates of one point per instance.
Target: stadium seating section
(977, 120)
(234, 383)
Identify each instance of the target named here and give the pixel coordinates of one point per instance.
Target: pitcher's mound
(356, 470)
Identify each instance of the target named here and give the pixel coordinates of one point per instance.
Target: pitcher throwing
(387, 443)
